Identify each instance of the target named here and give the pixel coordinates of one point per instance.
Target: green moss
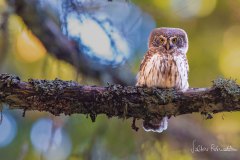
(50, 87)
(227, 87)
(165, 95)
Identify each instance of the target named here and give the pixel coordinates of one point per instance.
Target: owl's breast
(163, 71)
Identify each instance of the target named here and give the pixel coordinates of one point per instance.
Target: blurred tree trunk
(46, 27)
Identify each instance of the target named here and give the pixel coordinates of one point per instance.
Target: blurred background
(113, 35)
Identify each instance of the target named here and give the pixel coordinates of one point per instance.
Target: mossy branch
(68, 97)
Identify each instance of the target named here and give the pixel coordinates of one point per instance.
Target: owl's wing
(147, 57)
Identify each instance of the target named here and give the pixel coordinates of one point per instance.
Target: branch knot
(227, 87)
(8, 80)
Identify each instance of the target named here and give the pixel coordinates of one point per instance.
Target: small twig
(24, 112)
(134, 127)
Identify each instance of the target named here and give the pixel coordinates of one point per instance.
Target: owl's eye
(161, 40)
(158, 41)
(174, 40)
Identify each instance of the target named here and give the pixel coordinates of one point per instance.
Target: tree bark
(68, 97)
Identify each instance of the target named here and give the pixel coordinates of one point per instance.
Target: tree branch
(69, 97)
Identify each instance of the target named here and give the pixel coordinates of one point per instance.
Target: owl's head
(169, 39)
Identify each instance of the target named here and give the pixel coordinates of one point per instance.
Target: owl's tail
(156, 125)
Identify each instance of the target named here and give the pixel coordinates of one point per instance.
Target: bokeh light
(52, 142)
(29, 48)
(229, 60)
(231, 39)
(229, 63)
(8, 129)
(162, 5)
(207, 7)
(193, 8)
(2, 5)
(186, 8)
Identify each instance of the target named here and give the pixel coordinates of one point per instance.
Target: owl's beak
(168, 46)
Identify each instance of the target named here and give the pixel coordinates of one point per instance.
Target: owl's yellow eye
(161, 40)
(174, 40)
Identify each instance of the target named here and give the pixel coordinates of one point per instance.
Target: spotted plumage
(164, 65)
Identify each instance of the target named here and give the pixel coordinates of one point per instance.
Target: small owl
(164, 65)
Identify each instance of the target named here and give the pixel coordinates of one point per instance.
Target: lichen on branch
(69, 97)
